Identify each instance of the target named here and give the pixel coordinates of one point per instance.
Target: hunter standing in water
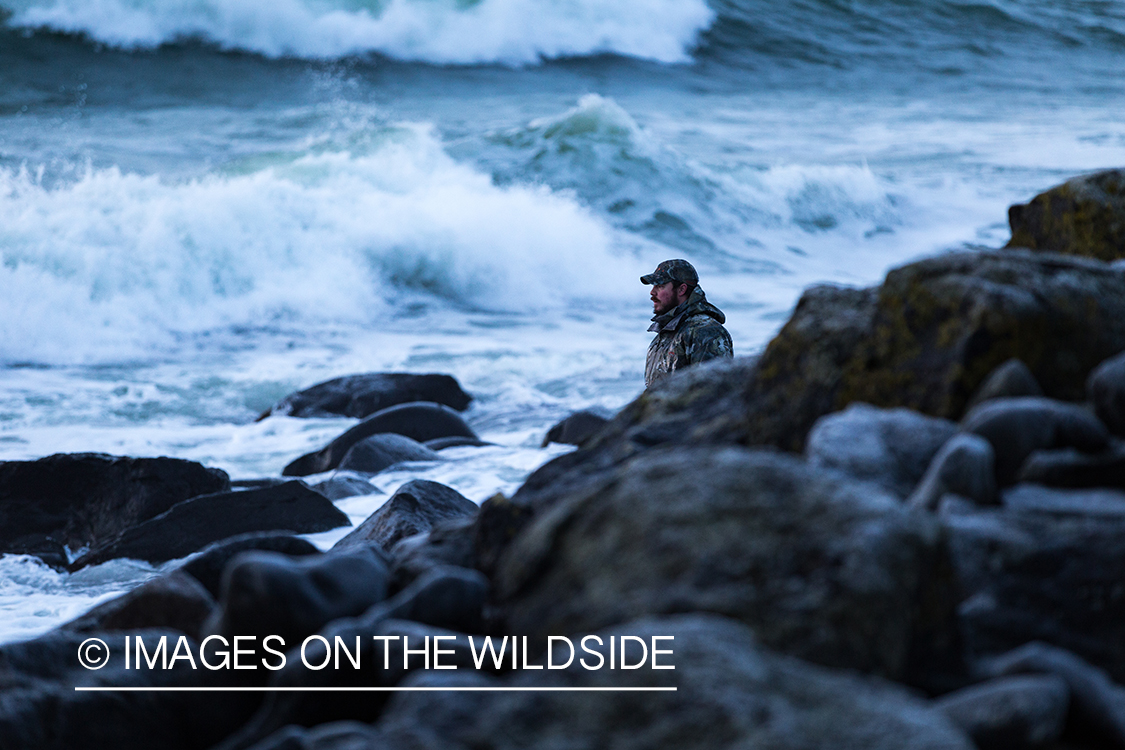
(689, 329)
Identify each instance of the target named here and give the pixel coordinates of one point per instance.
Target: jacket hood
(696, 304)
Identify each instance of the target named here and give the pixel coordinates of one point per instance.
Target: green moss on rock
(1083, 216)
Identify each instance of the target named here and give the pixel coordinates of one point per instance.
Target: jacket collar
(695, 304)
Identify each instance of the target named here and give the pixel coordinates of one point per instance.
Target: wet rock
(207, 565)
(822, 567)
(85, 499)
(964, 466)
(1018, 426)
(267, 593)
(1010, 380)
(891, 447)
(177, 601)
(1069, 467)
(1090, 502)
(438, 444)
(418, 421)
(1052, 577)
(344, 485)
(362, 395)
(1083, 216)
(446, 597)
(1106, 390)
(451, 542)
(195, 523)
(414, 508)
(1097, 705)
(576, 429)
(373, 454)
(41, 710)
(1010, 712)
(730, 693)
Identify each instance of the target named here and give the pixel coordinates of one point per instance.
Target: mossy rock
(1083, 216)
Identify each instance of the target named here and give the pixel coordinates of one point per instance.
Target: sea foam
(513, 32)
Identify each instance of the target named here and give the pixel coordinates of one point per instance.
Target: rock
(450, 542)
(1009, 713)
(84, 499)
(891, 447)
(1106, 390)
(1010, 380)
(419, 421)
(267, 593)
(192, 524)
(40, 709)
(362, 395)
(1028, 576)
(339, 735)
(1083, 216)
(414, 508)
(207, 565)
(1097, 706)
(373, 454)
(256, 484)
(1091, 502)
(1069, 467)
(177, 601)
(822, 567)
(730, 693)
(1018, 426)
(964, 466)
(445, 597)
(576, 429)
(438, 444)
(344, 485)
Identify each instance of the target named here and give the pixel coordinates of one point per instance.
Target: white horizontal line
(419, 689)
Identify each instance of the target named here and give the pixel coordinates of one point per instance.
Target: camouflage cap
(677, 270)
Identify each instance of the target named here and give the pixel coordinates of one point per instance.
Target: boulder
(362, 395)
(419, 421)
(1083, 216)
(821, 566)
(1069, 467)
(339, 486)
(1028, 575)
(450, 542)
(414, 508)
(1010, 380)
(1089, 502)
(1106, 390)
(195, 523)
(207, 565)
(1010, 713)
(267, 593)
(177, 601)
(373, 454)
(891, 447)
(964, 466)
(730, 692)
(1097, 706)
(1018, 426)
(337, 735)
(446, 597)
(438, 444)
(84, 499)
(576, 429)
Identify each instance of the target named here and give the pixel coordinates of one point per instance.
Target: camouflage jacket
(690, 334)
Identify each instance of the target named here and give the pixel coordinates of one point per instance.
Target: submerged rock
(418, 421)
(1083, 216)
(361, 395)
(86, 499)
(414, 508)
(191, 525)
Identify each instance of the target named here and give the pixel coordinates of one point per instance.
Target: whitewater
(205, 206)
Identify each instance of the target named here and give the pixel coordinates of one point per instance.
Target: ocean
(208, 204)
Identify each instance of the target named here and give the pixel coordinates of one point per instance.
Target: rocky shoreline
(901, 525)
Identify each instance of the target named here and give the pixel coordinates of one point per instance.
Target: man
(689, 329)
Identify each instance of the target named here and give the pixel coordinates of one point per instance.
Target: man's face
(664, 297)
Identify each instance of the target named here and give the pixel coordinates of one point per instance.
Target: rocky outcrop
(418, 421)
(822, 567)
(1083, 216)
(414, 508)
(86, 499)
(193, 524)
(362, 395)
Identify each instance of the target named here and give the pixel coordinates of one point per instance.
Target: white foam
(115, 263)
(438, 31)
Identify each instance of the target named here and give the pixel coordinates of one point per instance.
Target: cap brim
(648, 278)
